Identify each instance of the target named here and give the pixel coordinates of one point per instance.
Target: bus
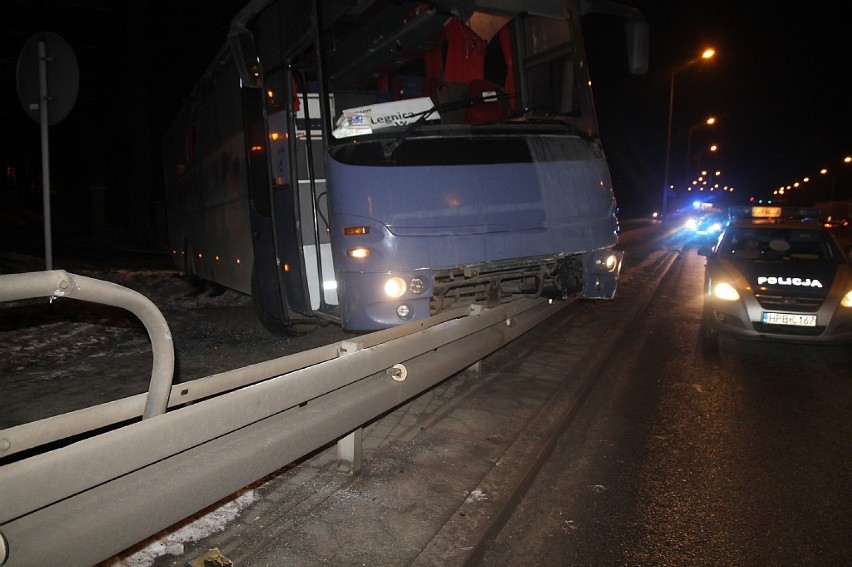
(373, 162)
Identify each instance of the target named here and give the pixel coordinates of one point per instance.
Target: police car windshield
(752, 243)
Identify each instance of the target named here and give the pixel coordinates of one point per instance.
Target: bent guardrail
(83, 502)
(57, 284)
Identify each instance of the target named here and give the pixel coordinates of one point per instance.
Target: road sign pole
(47, 102)
(45, 154)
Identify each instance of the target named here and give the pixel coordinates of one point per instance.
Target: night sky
(779, 87)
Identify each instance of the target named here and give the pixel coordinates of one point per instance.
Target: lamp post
(713, 148)
(707, 54)
(711, 120)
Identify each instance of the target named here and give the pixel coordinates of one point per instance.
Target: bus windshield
(393, 64)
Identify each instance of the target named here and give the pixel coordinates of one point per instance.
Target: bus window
(549, 67)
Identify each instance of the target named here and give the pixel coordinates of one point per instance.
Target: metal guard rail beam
(27, 436)
(87, 501)
(57, 284)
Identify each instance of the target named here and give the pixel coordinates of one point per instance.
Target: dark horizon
(774, 85)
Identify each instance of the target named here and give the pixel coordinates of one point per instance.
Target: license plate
(794, 319)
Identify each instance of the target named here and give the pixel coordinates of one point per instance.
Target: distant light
(708, 53)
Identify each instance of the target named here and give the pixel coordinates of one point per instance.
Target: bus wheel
(301, 326)
(293, 326)
(189, 268)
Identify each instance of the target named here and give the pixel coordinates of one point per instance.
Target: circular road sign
(63, 77)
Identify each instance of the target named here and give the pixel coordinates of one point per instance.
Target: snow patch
(477, 496)
(172, 542)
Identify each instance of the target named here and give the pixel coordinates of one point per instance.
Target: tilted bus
(372, 162)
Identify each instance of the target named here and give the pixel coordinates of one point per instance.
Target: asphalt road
(744, 459)
(671, 459)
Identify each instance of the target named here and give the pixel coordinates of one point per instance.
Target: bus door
(295, 170)
(276, 266)
(313, 202)
(281, 246)
(298, 171)
(279, 287)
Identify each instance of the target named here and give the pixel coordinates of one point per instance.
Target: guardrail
(86, 501)
(57, 284)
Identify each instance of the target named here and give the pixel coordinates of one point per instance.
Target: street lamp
(711, 149)
(711, 120)
(707, 54)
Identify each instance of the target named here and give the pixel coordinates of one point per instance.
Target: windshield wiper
(390, 147)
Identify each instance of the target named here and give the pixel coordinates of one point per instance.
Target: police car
(772, 275)
(707, 228)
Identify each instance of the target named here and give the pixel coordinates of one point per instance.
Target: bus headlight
(726, 292)
(395, 287)
(403, 311)
(416, 285)
(847, 299)
(359, 252)
(608, 263)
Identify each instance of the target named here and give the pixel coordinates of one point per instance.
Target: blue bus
(372, 162)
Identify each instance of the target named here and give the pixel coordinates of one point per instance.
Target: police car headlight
(847, 299)
(725, 292)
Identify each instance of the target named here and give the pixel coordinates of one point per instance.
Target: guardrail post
(349, 449)
(475, 368)
(349, 452)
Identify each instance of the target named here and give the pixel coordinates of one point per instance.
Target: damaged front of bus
(478, 176)
(461, 160)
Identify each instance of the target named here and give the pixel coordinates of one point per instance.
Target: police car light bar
(774, 212)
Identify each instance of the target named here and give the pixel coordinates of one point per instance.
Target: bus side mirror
(637, 45)
(705, 250)
(245, 57)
